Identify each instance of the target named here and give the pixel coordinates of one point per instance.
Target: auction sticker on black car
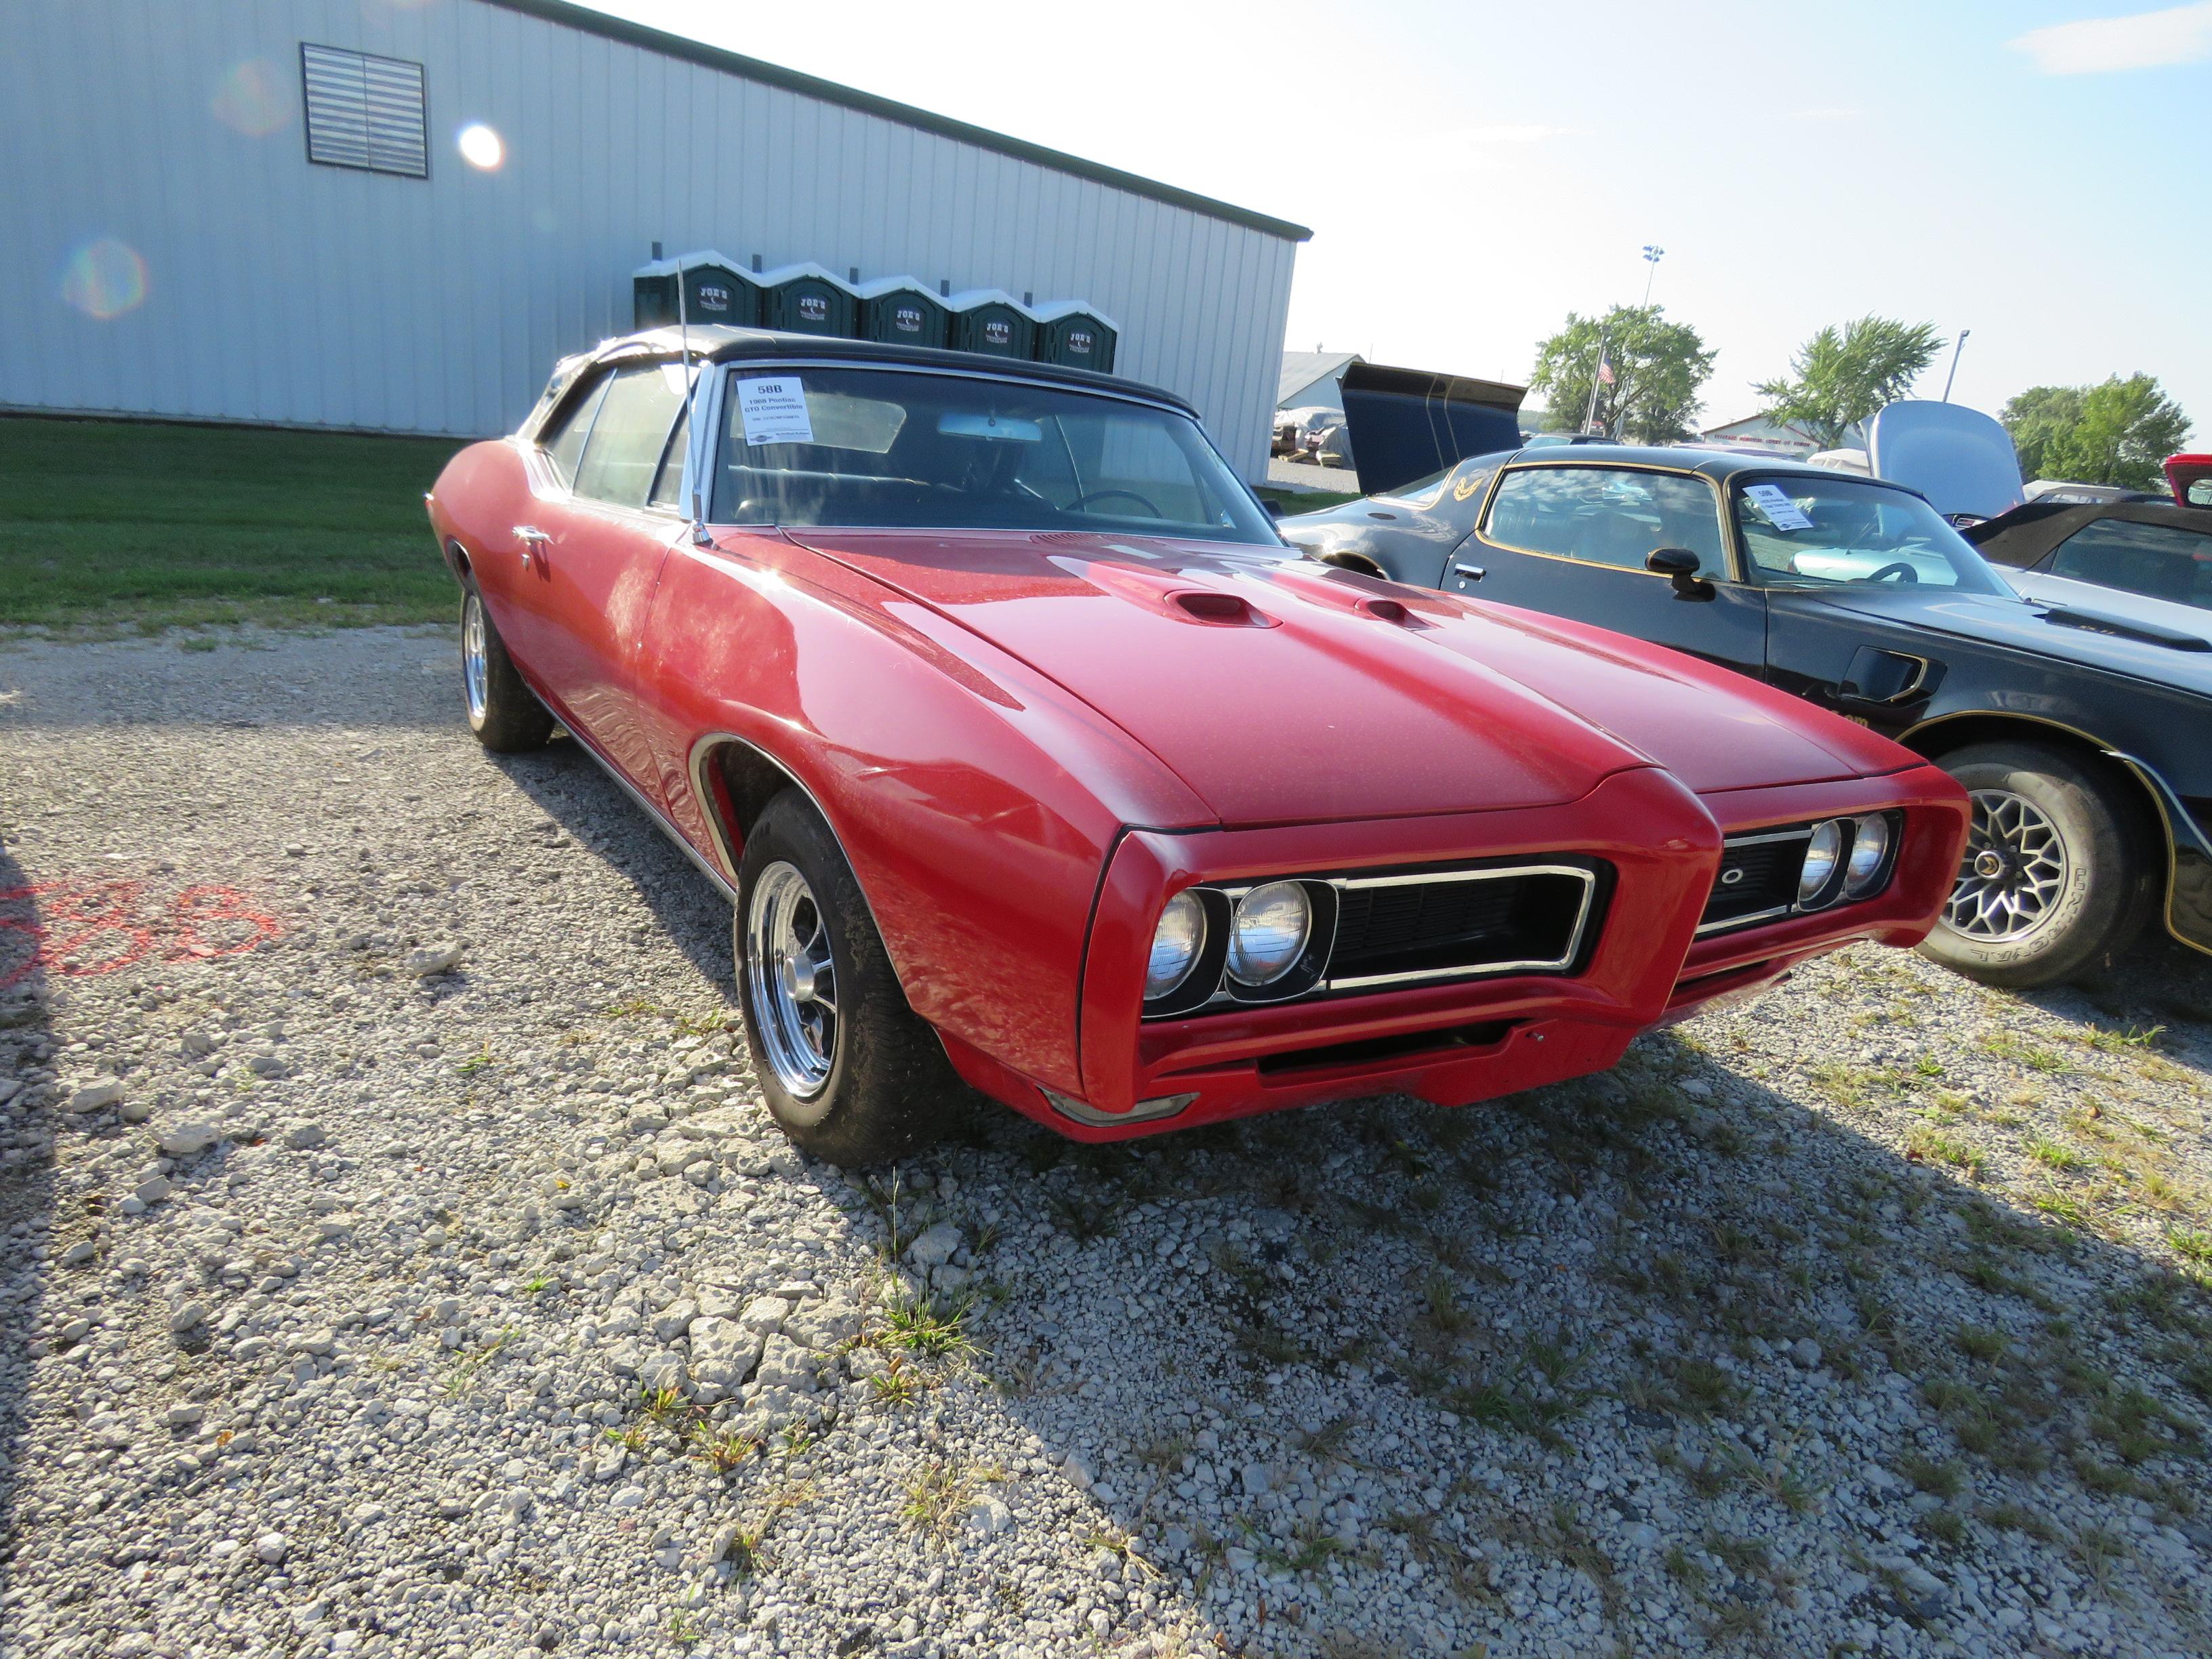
(1774, 501)
(775, 411)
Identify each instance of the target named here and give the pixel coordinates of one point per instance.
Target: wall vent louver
(365, 112)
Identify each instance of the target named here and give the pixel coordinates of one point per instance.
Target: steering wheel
(1898, 571)
(1082, 501)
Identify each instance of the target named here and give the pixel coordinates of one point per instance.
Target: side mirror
(1274, 508)
(1680, 566)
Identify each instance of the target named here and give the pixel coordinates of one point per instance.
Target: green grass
(1303, 501)
(119, 527)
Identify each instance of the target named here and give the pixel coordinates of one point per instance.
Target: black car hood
(1407, 423)
(2102, 636)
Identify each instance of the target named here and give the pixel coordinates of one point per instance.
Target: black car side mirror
(1274, 508)
(1680, 566)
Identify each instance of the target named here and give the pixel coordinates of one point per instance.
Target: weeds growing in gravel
(1945, 1480)
(2053, 1155)
(721, 1450)
(938, 1497)
(933, 1327)
(898, 1384)
(458, 1381)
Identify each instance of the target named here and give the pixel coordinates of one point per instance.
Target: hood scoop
(2096, 622)
(1218, 609)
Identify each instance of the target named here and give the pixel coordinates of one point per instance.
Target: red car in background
(1030, 757)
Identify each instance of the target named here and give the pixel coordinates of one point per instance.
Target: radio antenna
(695, 509)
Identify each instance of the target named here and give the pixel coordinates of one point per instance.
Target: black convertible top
(716, 343)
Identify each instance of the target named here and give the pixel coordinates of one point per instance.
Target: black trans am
(2084, 736)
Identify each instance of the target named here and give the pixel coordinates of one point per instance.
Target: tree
(1657, 367)
(1839, 377)
(2114, 433)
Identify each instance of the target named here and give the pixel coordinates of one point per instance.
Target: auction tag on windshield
(775, 411)
(1773, 501)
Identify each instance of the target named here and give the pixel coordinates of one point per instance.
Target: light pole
(1957, 348)
(1652, 251)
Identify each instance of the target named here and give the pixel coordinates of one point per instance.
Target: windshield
(886, 449)
(1825, 532)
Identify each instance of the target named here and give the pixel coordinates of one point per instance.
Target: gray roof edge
(867, 103)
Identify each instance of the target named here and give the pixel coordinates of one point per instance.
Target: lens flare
(250, 99)
(104, 279)
(480, 147)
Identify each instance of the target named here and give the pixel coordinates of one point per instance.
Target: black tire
(889, 1088)
(508, 718)
(2094, 907)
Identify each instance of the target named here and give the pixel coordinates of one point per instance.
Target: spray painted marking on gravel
(94, 926)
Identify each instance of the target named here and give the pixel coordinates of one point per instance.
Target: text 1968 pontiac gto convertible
(1031, 756)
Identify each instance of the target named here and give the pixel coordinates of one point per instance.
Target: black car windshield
(1803, 532)
(893, 449)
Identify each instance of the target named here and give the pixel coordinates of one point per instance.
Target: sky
(2032, 171)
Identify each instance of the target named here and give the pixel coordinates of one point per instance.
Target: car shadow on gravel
(29, 1242)
(591, 809)
(1663, 1356)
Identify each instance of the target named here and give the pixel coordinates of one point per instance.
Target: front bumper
(1729, 967)
(1459, 1042)
(1453, 1042)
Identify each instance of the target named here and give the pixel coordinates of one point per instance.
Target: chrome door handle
(534, 540)
(1473, 573)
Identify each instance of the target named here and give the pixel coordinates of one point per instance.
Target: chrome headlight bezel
(1184, 916)
(1867, 865)
(1817, 876)
(1263, 950)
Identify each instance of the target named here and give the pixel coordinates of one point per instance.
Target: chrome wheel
(791, 979)
(473, 671)
(2013, 870)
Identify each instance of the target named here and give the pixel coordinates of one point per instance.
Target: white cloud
(1506, 135)
(2147, 39)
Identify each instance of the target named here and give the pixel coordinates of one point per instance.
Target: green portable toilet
(715, 291)
(805, 299)
(900, 309)
(1069, 331)
(992, 321)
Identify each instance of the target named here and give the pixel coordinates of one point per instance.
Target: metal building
(394, 217)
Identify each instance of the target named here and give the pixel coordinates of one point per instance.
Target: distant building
(1309, 379)
(391, 216)
(1757, 432)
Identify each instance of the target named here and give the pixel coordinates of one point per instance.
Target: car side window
(622, 458)
(565, 442)
(1605, 515)
(2154, 559)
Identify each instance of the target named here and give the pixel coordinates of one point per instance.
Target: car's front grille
(1378, 929)
(1395, 928)
(1757, 878)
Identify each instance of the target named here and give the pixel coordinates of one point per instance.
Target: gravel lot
(363, 1303)
(1287, 474)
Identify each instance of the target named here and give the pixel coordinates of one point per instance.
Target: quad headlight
(1870, 858)
(1177, 942)
(1822, 854)
(1268, 932)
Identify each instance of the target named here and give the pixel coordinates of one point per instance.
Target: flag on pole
(1605, 370)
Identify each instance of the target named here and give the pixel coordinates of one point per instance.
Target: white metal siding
(285, 292)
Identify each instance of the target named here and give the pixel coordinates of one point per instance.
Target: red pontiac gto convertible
(1028, 754)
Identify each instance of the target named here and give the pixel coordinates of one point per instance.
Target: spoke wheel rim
(2014, 869)
(791, 979)
(473, 672)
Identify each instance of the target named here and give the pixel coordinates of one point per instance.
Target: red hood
(1280, 690)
